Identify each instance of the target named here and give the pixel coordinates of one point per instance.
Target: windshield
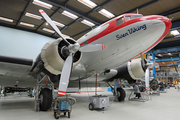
(127, 17)
(135, 16)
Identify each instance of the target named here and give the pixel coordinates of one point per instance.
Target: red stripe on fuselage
(87, 91)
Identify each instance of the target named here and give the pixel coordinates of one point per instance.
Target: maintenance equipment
(63, 105)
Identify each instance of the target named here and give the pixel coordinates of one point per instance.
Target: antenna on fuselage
(137, 11)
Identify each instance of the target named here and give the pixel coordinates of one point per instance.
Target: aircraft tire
(121, 94)
(46, 99)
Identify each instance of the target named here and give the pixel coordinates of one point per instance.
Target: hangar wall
(21, 43)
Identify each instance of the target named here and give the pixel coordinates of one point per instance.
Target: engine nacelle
(51, 55)
(131, 70)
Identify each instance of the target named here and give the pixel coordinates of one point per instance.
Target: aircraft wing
(14, 70)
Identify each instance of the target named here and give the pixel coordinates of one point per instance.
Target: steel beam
(164, 50)
(30, 1)
(71, 9)
(170, 11)
(68, 25)
(154, 69)
(167, 59)
(141, 6)
(175, 25)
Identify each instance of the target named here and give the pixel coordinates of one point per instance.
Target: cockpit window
(120, 21)
(127, 17)
(135, 16)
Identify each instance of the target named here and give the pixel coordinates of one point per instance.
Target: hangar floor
(163, 107)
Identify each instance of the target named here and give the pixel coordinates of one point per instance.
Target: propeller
(147, 78)
(69, 50)
(146, 72)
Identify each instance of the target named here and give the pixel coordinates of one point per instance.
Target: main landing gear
(44, 94)
(118, 92)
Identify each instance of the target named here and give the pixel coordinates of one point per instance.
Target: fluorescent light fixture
(169, 54)
(88, 23)
(42, 4)
(48, 30)
(88, 3)
(66, 36)
(6, 19)
(27, 24)
(58, 24)
(33, 16)
(159, 55)
(175, 32)
(68, 14)
(106, 13)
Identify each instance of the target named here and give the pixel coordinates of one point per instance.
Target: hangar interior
(75, 18)
(24, 15)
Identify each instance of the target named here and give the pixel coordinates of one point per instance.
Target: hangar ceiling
(17, 11)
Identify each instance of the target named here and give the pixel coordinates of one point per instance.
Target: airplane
(106, 52)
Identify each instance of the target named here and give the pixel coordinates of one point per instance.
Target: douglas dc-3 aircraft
(107, 51)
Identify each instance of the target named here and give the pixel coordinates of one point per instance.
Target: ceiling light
(169, 54)
(68, 14)
(159, 55)
(58, 24)
(88, 23)
(175, 32)
(88, 3)
(47, 23)
(42, 4)
(6, 19)
(33, 16)
(27, 24)
(48, 30)
(106, 13)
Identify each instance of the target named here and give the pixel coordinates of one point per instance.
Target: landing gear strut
(118, 92)
(44, 94)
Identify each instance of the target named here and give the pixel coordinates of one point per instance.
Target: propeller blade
(46, 17)
(143, 60)
(147, 78)
(65, 75)
(92, 48)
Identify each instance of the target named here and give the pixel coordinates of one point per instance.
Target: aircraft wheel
(121, 94)
(91, 106)
(45, 99)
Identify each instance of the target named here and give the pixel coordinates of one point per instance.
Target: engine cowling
(131, 70)
(53, 54)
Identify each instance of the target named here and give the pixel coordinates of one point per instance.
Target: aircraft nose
(166, 21)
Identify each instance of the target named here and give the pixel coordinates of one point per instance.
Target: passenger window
(127, 17)
(120, 21)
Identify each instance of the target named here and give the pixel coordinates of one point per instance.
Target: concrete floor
(163, 107)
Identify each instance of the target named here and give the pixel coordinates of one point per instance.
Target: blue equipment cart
(63, 105)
